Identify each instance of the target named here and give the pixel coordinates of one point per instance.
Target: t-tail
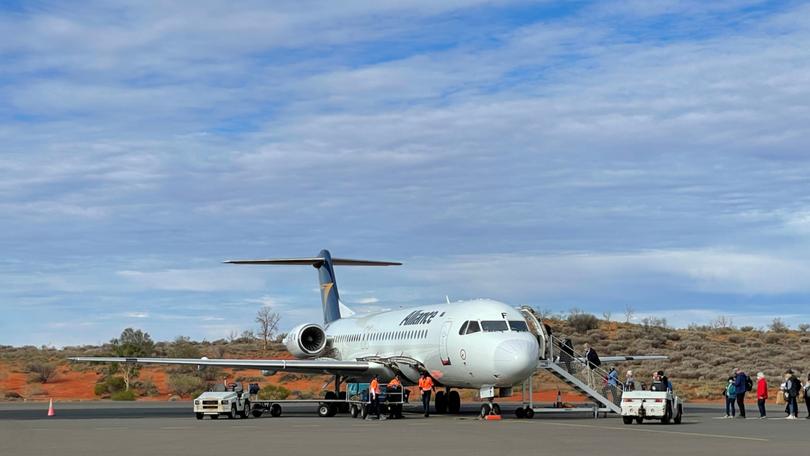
(330, 299)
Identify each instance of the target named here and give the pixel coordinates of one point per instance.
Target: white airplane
(481, 344)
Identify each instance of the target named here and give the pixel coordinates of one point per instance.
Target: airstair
(573, 369)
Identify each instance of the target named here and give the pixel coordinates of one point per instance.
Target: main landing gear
(448, 402)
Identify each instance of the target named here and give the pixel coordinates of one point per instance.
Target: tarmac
(169, 428)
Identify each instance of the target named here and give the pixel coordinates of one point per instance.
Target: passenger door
(443, 352)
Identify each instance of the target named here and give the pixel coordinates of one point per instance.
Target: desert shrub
(597, 336)
(735, 339)
(624, 334)
(12, 395)
(146, 388)
(772, 338)
(185, 384)
(276, 392)
(673, 336)
(778, 326)
(127, 395)
(100, 389)
(804, 327)
(583, 322)
(805, 340)
(746, 328)
(41, 372)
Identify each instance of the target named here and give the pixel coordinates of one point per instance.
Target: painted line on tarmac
(306, 425)
(654, 431)
(176, 428)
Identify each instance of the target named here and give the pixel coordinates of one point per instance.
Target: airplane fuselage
(466, 344)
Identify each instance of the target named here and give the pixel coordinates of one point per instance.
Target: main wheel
(441, 403)
(520, 412)
(275, 410)
(486, 409)
(496, 409)
(199, 415)
(529, 413)
(627, 419)
(454, 402)
(679, 416)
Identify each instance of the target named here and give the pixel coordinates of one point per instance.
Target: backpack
(749, 384)
(795, 387)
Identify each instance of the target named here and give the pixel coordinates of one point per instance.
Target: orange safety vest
(425, 383)
(393, 383)
(375, 386)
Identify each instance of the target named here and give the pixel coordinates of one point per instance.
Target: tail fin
(324, 264)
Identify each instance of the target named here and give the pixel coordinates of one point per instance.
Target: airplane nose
(515, 359)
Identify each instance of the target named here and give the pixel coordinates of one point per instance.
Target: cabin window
(473, 327)
(518, 325)
(463, 328)
(494, 325)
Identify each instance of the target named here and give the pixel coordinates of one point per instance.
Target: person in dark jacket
(592, 360)
(740, 382)
(567, 355)
(792, 390)
(806, 391)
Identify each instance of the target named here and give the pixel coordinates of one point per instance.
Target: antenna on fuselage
(447, 298)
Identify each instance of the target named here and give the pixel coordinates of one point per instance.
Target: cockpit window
(463, 328)
(494, 326)
(518, 325)
(473, 327)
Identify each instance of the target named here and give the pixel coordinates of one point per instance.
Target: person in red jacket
(762, 393)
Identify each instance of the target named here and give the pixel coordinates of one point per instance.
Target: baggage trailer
(354, 401)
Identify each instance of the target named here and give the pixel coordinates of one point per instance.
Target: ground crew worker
(394, 395)
(426, 386)
(374, 396)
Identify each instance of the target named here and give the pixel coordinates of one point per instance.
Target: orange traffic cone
(50, 408)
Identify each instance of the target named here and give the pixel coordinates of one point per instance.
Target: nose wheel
(490, 408)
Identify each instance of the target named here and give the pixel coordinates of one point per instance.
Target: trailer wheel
(627, 419)
(529, 413)
(257, 412)
(354, 411)
(275, 410)
(520, 412)
(323, 410)
(679, 416)
(199, 415)
(363, 412)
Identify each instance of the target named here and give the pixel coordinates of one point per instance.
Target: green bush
(583, 322)
(276, 392)
(185, 384)
(100, 389)
(127, 395)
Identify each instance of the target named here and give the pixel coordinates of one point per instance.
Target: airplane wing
(302, 366)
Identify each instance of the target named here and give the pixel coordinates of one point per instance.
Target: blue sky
(557, 154)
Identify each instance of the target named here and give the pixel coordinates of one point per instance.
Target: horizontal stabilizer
(316, 261)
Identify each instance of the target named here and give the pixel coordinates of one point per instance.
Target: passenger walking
(731, 395)
(613, 385)
(792, 389)
(629, 381)
(806, 392)
(762, 393)
(567, 355)
(426, 386)
(592, 361)
(742, 384)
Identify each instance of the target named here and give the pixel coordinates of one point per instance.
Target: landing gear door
(536, 328)
(443, 352)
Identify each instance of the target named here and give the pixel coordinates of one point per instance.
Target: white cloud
(199, 280)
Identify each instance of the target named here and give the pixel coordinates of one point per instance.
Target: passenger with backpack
(743, 384)
(792, 390)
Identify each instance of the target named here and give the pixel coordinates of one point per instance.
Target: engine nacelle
(306, 341)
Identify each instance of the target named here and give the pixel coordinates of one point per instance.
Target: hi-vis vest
(374, 387)
(425, 383)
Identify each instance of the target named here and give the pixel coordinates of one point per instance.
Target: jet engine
(306, 341)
